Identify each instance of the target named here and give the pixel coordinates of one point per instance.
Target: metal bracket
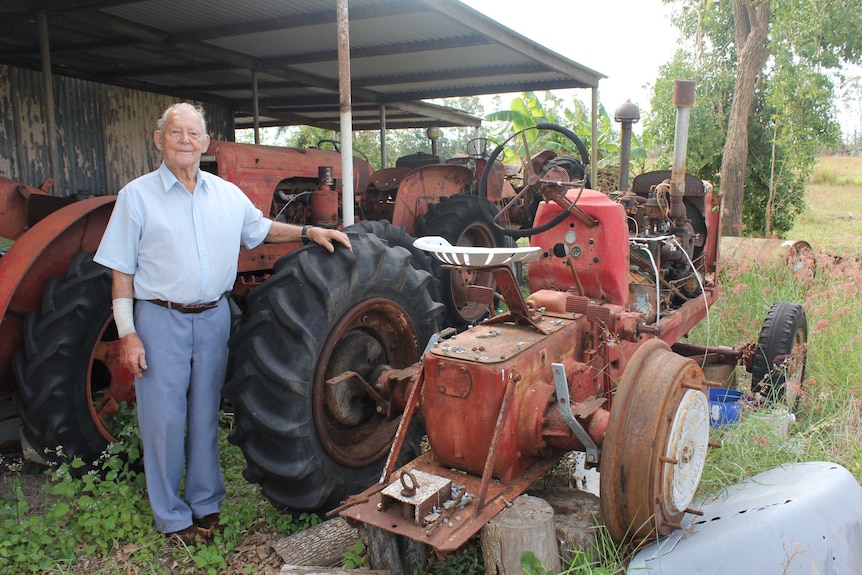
(562, 386)
(438, 337)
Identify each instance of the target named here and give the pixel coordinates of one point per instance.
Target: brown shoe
(210, 524)
(190, 536)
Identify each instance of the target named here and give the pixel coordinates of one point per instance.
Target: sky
(626, 40)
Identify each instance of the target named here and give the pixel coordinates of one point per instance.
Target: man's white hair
(163, 120)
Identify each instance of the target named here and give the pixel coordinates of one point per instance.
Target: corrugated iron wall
(105, 133)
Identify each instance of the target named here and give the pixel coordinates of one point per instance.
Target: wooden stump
(527, 525)
(576, 517)
(396, 553)
(322, 544)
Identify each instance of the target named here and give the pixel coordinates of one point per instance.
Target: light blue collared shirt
(181, 247)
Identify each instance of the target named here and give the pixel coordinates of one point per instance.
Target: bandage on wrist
(124, 316)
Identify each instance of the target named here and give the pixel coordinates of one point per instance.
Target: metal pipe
(433, 134)
(383, 136)
(594, 140)
(683, 99)
(627, 115)
(346, 113)
(48, 92)
(255, 106)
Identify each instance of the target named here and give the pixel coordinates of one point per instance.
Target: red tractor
(58, 350)
(590, 361)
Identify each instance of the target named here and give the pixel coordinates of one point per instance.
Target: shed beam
(464, 73)
(391, 49)
(438, 112)
(384, 9)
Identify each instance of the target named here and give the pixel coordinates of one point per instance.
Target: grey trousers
(178, 404)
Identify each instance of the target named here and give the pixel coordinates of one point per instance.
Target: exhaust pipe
(683, 100)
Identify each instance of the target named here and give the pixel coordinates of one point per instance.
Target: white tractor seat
(475, 257)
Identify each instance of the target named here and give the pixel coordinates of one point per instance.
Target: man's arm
(132, 354)
(282, 233)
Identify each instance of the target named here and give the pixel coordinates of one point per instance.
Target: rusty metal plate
(496, 342)
(454, 526)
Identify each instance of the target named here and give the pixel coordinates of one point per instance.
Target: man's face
(183, 141)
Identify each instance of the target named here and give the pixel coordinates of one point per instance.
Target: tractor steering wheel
(532, 182)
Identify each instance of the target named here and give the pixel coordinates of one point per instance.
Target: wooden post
(527, 525)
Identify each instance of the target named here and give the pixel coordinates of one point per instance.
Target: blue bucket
(725, 406)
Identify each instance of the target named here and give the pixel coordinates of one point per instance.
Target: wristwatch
(303, 235)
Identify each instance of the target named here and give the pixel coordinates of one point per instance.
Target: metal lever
(562, 386)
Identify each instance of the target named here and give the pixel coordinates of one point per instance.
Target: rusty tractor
(591, 361)
(58, 343)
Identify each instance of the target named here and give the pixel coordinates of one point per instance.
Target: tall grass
(827, 425)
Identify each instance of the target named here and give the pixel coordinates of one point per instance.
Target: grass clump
(100, 521)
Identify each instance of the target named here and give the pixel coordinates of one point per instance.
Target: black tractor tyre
(461, 220)
(398, 236)
(320, 315)
(778, 368)
(56, 375)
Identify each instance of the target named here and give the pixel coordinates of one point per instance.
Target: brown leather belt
(183, 308)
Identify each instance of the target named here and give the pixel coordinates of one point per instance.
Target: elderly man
(173, 242)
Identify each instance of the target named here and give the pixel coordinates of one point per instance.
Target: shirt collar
(169, 180)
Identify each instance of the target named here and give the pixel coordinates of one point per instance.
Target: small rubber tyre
(68, 374)
(319, 316)
(462, 221)
(778, 368)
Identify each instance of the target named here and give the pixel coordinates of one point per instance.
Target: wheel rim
(372, 333)
(475, 235)
(794, 369)
(109, 383)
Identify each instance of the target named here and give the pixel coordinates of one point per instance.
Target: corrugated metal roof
(402, 51)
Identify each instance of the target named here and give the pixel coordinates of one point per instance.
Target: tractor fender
(42, 252)
(426, 185)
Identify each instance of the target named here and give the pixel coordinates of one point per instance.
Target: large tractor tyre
(778, 368)
(398, 236)
(70, 382)
(654, 449)
(310, 444)
(462, 221)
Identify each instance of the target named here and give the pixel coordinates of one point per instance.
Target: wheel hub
(685, 454)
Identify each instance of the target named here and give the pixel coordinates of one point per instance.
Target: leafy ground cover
(53, 522)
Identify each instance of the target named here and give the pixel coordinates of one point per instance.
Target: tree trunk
(527, 525)
(751, 18)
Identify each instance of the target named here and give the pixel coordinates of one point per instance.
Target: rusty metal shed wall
(104, 132)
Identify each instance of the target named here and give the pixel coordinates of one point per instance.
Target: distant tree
(762, 68)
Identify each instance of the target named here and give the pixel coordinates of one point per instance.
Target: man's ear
(157, 139)
(206, 142)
